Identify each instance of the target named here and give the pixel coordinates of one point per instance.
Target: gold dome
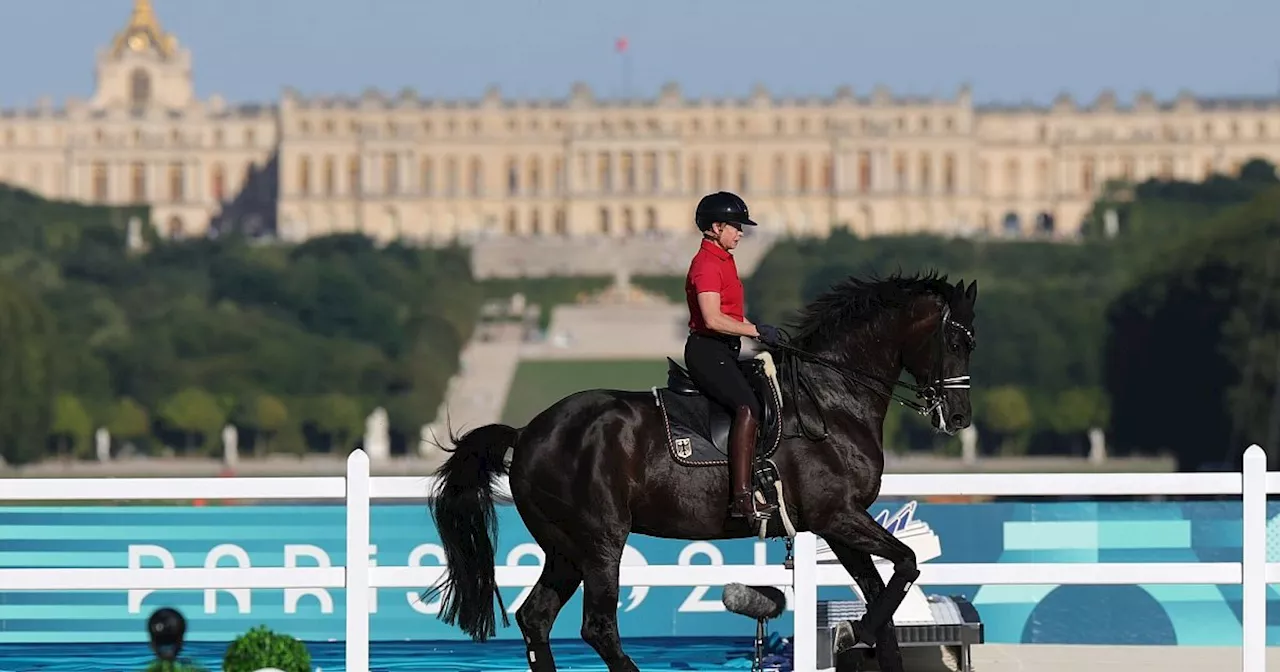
(143, 31)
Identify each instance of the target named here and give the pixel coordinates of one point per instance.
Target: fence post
(1254, 560)
(804, 592)
(357, 585)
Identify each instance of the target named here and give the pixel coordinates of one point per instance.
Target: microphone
(759, 602)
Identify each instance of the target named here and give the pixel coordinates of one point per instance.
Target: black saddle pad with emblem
(698, 427)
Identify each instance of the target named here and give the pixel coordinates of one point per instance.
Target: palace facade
(425, 170)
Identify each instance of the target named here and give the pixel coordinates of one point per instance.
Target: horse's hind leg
(600, 607)
(559, 580)
(863, 570)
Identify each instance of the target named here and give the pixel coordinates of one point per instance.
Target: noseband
(930, 393)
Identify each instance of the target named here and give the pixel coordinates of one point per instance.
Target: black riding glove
(768, 334)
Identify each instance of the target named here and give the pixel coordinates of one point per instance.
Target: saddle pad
(692, 420)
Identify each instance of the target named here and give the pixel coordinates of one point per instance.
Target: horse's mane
(853, 303)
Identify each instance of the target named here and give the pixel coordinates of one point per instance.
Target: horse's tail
(464, 516)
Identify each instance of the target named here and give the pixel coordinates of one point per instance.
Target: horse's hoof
(861, 634)
(849, 634)
(851, 660)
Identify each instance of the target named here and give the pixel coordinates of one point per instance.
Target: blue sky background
(1007, 50)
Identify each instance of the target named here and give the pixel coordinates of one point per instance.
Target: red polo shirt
(713, 270)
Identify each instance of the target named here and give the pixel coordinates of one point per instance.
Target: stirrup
(759, 511)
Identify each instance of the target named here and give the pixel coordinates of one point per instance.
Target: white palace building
(426, 170)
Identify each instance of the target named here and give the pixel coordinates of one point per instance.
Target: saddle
(698, 427)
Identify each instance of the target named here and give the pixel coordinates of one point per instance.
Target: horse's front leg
(861, 567)
(856, 531)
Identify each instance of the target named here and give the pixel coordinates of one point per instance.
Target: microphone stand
(757, 663)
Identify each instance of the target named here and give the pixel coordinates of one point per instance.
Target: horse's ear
(972, 293)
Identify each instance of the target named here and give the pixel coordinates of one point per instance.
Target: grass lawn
(538, 384)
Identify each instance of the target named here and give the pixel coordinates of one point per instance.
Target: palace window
(138, 182)
(1012, 178)
(329, 180)
(604, 172)
(476, 177)
(391, 172)
(535, 175)
(218, 182)
(354, 175)
(139, 88)
(628, 172)
(100, 183)
(513, 177)
(428, 175)
(304, 176)
(177, 182)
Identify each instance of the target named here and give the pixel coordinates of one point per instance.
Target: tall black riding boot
(742, 448)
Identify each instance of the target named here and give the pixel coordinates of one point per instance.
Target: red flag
(620, 45)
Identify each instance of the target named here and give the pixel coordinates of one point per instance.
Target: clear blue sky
(1008, 50)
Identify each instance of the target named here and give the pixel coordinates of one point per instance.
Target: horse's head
(938, 339)
(867, 332)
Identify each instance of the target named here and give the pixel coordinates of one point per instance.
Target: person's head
(721, 216)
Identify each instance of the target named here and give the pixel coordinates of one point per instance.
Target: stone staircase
(476, 395)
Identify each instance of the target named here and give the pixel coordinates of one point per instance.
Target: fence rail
(358, 489)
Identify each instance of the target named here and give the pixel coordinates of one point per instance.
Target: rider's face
(728, 236)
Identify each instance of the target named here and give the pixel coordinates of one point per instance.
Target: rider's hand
(768, 334)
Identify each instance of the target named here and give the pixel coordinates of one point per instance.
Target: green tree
(267, 416)
(26, 374)
(72, 427)
(1007, 412)
(128, 420)
(336, 418)
(1078, 409)
(194, 413)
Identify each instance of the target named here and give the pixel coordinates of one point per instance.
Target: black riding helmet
(722, 206)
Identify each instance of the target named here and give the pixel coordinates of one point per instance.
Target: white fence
(357, 489)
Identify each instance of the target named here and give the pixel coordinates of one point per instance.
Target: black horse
(600, 464)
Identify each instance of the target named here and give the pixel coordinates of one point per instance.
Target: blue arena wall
(113, 537)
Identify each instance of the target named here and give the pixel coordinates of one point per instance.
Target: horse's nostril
(957, 419)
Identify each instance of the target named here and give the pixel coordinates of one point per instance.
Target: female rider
(716, 327)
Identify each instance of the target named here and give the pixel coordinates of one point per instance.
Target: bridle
(930, 393)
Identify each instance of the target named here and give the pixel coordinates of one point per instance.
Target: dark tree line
(294, 344)
(1192, 356)
(1166, 335)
